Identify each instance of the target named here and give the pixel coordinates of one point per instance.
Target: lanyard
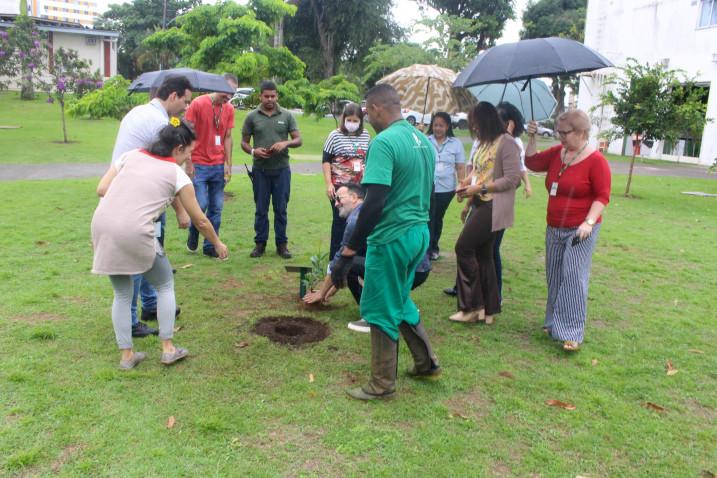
(441, 147)
(564, 165)
(218, 118)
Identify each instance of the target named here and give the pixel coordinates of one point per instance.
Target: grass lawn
(247, 407)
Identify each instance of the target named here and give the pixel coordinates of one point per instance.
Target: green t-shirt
(400, 157)
(267, 130)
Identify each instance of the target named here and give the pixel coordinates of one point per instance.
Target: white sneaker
(360, 326)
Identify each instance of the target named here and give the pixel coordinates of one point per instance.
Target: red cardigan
(578, 187)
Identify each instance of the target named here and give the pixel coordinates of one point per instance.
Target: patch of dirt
(62, 142)
(471, 404)
(40, 318)
(702, 411)
(500, 469)
(67, 454)
(228, 196)
(292, 330)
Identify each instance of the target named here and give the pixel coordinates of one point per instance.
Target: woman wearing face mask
(135, 191)
(344, 162)
(450, 162)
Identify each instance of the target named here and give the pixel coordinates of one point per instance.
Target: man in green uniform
(394, 224)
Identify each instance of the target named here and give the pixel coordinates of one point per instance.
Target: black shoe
(283, 251)
(450, 291)
(192, 244)
(211, 253)
(148, 315)
(258, 250)
(140, 329)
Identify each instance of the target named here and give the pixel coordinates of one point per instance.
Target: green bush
(110, 101)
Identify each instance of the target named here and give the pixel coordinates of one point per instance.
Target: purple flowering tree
(29, 56)
(70, 76)
(8, 68)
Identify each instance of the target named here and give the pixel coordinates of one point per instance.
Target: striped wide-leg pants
(567, 269)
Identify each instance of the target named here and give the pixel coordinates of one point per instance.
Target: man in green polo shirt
(270, 126)
(393, 222)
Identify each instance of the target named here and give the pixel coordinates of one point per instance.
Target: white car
(240, 96)
(414, 117)
(544, 132)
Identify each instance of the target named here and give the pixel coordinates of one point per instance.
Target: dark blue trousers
(271, 185)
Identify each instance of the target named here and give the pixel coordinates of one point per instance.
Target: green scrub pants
(385, 300)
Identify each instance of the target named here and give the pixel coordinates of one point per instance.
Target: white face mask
(351, 126)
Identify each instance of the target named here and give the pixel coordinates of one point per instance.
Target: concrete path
(14, 172)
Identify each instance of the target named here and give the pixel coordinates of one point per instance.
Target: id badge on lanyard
(554, 188)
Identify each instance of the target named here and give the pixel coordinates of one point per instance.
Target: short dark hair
(508, 112)
(484, 118)
(267, 85)
(171, 137)
(231, 77)
(354, 188)
(445, 117)
(351, 109)
(383, 94)
(173, 84)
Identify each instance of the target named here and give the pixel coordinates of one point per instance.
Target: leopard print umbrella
(428, 89)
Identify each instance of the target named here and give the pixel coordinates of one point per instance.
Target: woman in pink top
(578, 182)
(135, 192)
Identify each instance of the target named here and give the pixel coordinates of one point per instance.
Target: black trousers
(338, 225)
(439, 205)
(477, 282)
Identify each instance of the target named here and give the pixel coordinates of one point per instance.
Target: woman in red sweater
(578, 183)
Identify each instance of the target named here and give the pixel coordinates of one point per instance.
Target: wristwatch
(590, 222)
(483, 190)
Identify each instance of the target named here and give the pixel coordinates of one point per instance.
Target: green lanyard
(565, 165)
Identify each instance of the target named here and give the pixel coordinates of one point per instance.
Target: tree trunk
(326, 39)
(629, 175)
(27, 89)
(279, 33)
(64, 127)
(558, 88)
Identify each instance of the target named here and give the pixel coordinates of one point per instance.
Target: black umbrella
(201, 81)
(530, 59)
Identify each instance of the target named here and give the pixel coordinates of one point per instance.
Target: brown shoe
(283, 251)
(468, 317)
(258, 250)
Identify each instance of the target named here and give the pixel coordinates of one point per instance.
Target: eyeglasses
(565, 133)
(340, 198)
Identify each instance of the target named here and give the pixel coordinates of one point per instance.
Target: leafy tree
(653, 102)
(8, 66)
(383, 59)
(110, 101)
(273, 12)
(327, 34)
(556, 18)
(228, 37)
(29, 55)
(482, 20)
(165, 46)
(135, 21)
(454, 53)
(70, 74)
(318, 99)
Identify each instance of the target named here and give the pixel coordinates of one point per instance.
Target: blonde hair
(578, 120)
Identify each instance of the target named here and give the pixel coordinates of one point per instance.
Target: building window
(708, 13)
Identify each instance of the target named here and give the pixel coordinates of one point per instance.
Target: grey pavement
(14, 172)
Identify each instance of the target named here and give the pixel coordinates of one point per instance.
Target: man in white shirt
(139, 129)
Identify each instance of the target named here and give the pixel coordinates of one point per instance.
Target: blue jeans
(143, 287)
(274, 184)
(209, 187)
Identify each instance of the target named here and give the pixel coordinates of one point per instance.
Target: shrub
(110, 101)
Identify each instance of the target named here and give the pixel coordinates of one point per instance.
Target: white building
(98, 47)
(682, 34)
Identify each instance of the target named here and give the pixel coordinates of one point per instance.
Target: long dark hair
(171, 137)
(351, 109)
(445, 117)
(485, 123)
(508, 112)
